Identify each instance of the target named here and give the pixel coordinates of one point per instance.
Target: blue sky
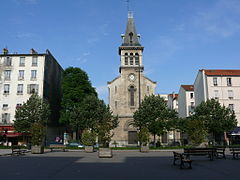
(180, 36)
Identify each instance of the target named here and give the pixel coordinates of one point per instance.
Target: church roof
(131, 37)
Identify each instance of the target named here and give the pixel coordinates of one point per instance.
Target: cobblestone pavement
(123, 165)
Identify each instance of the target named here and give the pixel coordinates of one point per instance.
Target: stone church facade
(130, 87)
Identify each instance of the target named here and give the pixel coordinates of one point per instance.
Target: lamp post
(173, 128)
(139, 70)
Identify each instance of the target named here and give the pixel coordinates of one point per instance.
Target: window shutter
(37, 88)
(28, 89)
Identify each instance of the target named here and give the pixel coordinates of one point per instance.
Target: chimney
(32, 51)
(5, 51)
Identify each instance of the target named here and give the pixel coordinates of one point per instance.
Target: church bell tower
(129, 88)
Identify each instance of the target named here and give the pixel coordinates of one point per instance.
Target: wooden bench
(220, 151)
(235, 152)
(200, 152)
(17, 150)
(57, 146)
(182, 158)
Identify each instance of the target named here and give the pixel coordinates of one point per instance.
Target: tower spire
(131, 37)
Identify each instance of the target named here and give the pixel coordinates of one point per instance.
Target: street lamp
(139, 70)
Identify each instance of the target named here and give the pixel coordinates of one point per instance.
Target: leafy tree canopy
(217, 118)
(35, 110)
(154, 114)
(76, 86)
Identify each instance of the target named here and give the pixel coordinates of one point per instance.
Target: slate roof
(131, 36)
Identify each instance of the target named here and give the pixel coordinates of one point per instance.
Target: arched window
(132, 89)
(126, 58)
(131, 37)
(136, 59)
(131, 58)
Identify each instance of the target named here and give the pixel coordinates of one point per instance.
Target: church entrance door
(132, 137)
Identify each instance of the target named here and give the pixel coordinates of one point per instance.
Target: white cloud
(221, 19)
(83, 57)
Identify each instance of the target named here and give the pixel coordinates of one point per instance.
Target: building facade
(186, 101)
(129, 88)
(222, 85)
(21, 76)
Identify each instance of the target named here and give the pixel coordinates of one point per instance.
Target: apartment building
(186, 102)
(220, 84)
(21, 76)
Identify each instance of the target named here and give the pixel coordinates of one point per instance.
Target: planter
(37, 149)
(105, 153)
(88, 149)
(144, 149)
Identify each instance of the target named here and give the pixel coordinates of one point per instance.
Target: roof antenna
(127, 1)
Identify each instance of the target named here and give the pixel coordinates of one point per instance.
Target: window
(131, 89)
(115, 104)
(231, 107)
(215, 81)
(191, 95)
(230, 94)
(5, 106)
(22, 61)
(148, 89)
(7, 75)
(32, 88)
(33, 74)
(20, 89)
(126, 58)
(131, 59)
(115, 89)
(216, 94)
(18, 105)
(21, 75)
(229, 81)
(192, 105)
(5, 118)
(131, 37)
(136, 59)
(6, 88)
(34, 61)
(8, 61)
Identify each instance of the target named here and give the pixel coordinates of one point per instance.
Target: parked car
(75, 144)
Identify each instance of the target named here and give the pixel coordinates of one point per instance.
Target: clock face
(131, 77)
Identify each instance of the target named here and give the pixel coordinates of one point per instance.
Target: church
(131, 86)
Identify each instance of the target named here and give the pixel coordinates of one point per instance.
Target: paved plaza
(123, 165)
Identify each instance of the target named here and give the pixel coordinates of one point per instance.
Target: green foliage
(105, 124)
(88, 138)
(94, 114)
(216, 118)
(143, 136)
(35, 110)
(86, 114)
(154, 114)
(196, 130)
(37, 131)
(76, 86)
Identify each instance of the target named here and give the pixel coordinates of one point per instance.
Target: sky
(179, 36)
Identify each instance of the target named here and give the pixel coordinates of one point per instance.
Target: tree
(196, 130)
(154, 114)
(217, 119)
(35, 110)
(106, 122)
(93, 114)
(31, 117)
(76, 86)
(85, 115)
